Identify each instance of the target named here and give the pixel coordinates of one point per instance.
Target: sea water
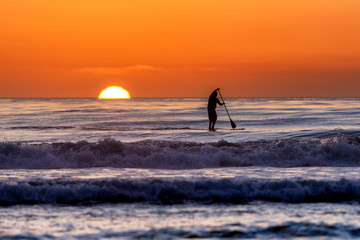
(149, 168)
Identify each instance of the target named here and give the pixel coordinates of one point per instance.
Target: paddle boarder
(213, 100)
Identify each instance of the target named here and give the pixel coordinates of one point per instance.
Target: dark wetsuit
(213, 100)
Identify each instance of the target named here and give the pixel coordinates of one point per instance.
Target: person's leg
(214, 121)
(210, 119)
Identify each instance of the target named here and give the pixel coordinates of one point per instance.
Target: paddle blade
(233, 125)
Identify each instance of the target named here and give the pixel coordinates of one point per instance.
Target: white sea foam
(147, 137)
(336, 151)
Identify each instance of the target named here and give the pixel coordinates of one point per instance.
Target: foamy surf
(149, 168)
(337, 151)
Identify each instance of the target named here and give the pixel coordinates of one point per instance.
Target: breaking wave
(176, 191)
(337, 151)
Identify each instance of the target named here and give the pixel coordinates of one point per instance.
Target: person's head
(214, 94)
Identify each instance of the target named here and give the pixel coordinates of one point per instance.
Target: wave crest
(337, 151)
(169, 191)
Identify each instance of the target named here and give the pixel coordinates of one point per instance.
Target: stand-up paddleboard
(225, 129)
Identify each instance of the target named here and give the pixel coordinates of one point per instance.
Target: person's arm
(218, 102)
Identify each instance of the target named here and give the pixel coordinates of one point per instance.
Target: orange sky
(187, 48)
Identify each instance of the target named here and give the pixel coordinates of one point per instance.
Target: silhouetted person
(213, 100)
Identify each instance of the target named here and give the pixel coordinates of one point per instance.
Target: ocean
(150, 169)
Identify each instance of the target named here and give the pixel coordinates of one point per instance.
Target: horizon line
(164, 97)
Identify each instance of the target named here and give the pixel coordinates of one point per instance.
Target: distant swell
(336, 151)
(41, 128)
(179, 191)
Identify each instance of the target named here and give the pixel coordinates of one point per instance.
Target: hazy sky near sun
(187, 48)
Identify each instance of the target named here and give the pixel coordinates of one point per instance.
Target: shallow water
(128, 221)
(251, 202)
(148, 168)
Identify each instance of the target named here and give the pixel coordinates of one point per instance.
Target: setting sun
(114, 92)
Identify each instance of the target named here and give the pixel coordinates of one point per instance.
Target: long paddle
(233, 125)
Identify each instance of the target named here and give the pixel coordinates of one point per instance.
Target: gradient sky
(187, 48)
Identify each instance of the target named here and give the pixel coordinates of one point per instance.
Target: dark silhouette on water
(213, 100)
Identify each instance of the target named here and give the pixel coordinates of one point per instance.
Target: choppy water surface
(148, 168)
(129, 221)
(61, 120)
